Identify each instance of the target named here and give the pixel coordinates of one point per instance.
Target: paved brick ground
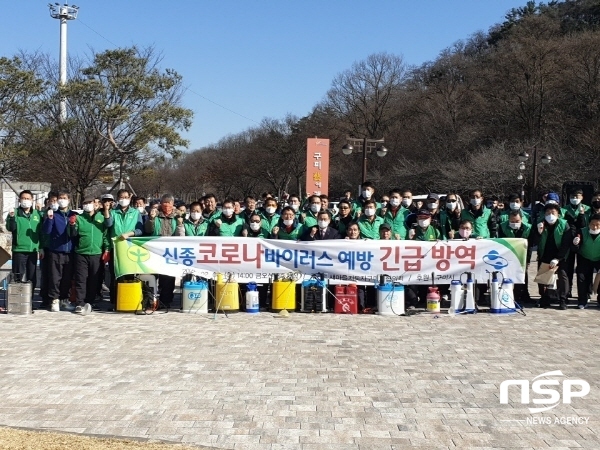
(303, 382)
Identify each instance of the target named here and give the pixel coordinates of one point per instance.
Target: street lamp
(523, 157)
(365, 145)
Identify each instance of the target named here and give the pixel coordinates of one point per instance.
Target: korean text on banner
(249, 259)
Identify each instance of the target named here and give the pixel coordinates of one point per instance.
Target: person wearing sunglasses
(344, 217)
(254, 228)
(450, 217)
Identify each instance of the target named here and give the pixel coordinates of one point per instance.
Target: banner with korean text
(342, 261)
(317, 166)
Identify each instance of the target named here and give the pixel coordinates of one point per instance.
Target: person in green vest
(269, 215)
(515, 203)
(164, 221)
(395, 215)
(310, 216)
(450, 216)
(195, 225)
(484, 222)
(228, 224)
(576, 214)
(122, 222)
(344, 217)
(556, 236)
(288, 227)
(254, 227)
(424, 231)
(587, 245)
(210, 213)
(516, 227)
(295, 204)
(91, 253)
(25, 224)
(367, 193)
(369, 222)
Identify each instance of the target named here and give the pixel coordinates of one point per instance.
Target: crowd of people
(75, 249)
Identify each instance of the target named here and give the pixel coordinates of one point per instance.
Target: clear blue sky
(259, 58)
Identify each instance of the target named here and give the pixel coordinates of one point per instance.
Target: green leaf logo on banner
(138, 254)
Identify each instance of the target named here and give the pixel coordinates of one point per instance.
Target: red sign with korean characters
(317, 166)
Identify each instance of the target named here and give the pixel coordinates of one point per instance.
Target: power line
(187, 89)
(221, 106)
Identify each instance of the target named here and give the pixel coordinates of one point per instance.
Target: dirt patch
(11, 439)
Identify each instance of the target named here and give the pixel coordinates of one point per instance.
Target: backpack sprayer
(390, 297)
(502, 297)
(462, 295)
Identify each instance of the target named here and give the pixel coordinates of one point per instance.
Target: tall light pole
(63, 13)
(365, 144)
(524, 156)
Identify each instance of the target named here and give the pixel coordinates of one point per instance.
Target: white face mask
(395, 202)
(63, 202)
(366, 194)
(124, 202)
(288, 222)
(369, 212)
(323, 223)
(141, 209)
(294, 206)
(268, 209)
(475, 201)
(575, 201)
(514, 225)
(551, 218)
(88, 207)
(254, 226)
(595, 232)
(228, 212)
(432, 206)
(451, 206)
(406, 202)
(196, 215)
(26, 204)
(54, 206)
(384, 204)
(315, 207)
(514, 206)
(465, 234)
(424, 223)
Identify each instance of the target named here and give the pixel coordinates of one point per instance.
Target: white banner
(341, 261)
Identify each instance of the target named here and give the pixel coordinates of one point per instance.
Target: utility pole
(63, 13)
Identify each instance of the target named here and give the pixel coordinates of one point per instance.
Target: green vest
(192, 229)
(510, 233)
(480, 224)
(293, 235)
(429, 234)
(398, 222)
(589, 248)
(444, 220)
(231, 228)
(268, 223)
(27, 236)
(310, 220)
(559, 229)
(92, 234)
(369, 230)
(569, 210)
(124, 222)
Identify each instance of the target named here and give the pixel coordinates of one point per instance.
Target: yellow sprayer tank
(227, 295)
(129, 296)
(284, 296)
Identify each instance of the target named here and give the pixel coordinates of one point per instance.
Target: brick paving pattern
(303, 382)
